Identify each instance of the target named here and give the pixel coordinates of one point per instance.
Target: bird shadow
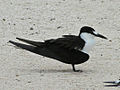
(47, 71)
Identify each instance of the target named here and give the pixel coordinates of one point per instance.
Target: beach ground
(39, 20)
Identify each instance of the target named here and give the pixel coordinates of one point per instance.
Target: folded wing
(68, 41)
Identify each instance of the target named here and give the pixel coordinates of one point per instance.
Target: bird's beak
(99, 35)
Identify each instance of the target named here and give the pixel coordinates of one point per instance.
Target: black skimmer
(69, 49)
(113, 83)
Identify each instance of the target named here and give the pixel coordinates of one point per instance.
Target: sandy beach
(44, 19)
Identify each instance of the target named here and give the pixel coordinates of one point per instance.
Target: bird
(113, 83)
(69, 49)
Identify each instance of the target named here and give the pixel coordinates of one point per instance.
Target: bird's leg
(73, 66)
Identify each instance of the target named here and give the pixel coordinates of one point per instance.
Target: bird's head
(90, 31)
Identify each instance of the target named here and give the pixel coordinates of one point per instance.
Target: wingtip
(110, 85)
(17, 38)
(10, 41)
(20, 39)
(109, 82)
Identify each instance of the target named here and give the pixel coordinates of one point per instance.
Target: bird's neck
(86, 36)
(89, 41)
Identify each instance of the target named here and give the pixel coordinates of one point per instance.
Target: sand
(45, 19)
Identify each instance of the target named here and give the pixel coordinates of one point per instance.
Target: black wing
(111, 85)
(68, 41)
(112, 82)
(64, 49)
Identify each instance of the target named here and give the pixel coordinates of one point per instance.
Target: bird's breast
(89, 44)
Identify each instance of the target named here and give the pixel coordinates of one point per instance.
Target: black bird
(113, 83)
(69, 49)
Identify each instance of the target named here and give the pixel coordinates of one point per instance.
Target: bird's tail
(43, 50)
(34, 43)
(23, 46)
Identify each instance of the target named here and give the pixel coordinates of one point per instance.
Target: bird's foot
(78, 71)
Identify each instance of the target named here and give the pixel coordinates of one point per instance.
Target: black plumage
(67, 49)
(113, 83)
